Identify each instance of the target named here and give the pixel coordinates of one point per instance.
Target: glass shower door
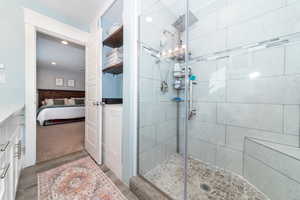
(243, 142)
(162, 95)
(219, 98)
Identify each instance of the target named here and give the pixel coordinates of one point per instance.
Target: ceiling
(81, 12)
(67, 57)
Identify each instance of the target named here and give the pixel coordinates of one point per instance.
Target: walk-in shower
(219, 99)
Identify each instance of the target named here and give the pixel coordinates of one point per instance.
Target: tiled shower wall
(157, 113)
(256, 94)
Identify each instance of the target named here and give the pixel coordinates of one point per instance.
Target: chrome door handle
(5, 170)
(95, 103)
(18, 154)
(98, 103)
(4, 146)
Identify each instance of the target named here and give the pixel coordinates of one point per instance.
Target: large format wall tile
(274, 184)
(206, 112)
(209, 132)
(236, 137)
(166, 130)
(229, 159)
(238, 11)
(212, 91)
(280, 161)
(147, 138)
(210, 43)
(202, 150)
(292, 119)
(258, 116)
(274, 90)
(263, 63)
(293, 59)
(205, 71)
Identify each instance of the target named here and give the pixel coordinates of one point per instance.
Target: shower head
(179, 24)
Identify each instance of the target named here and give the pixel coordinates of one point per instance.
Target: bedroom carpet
(59, 140)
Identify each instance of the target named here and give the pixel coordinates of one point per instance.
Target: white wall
(12, 49)
(46, 79)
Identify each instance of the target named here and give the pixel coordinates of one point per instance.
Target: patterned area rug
(78, 180)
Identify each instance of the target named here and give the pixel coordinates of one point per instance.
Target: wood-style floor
(27, 188)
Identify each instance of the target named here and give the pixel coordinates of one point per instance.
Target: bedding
(56, 112)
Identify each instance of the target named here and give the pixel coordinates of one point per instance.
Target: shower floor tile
(204, 182)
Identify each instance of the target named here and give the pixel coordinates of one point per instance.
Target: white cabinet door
(9, 171)
(4, 181)
(112, 131)
(10, 156)
(93, 110)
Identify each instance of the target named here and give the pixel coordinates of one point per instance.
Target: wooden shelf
(115, 69)
(115, 40)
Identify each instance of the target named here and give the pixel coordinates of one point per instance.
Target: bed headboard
(58, 94)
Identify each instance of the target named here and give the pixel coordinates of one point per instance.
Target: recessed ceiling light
(64, 42)
(149, 19)
(53, 63)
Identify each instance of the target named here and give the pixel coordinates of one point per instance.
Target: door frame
(34, 22)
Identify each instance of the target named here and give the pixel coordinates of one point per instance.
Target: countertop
(112, 100)
(7, 110)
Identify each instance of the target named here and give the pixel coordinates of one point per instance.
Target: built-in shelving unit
(114, 69)
(115, 40)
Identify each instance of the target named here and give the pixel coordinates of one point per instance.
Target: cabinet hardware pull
(5, 170)
(4, 146)
(18, 154)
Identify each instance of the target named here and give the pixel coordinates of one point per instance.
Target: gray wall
(12, 52)
(46, 79)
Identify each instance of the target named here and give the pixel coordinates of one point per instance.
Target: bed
(54, 114)
(62, 113)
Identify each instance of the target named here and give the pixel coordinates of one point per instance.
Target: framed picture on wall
(71, 83)
(59, 82)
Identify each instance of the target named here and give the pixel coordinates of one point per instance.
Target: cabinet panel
(11, 131)
(112, 130)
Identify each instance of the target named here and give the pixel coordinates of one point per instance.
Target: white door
(93, 110)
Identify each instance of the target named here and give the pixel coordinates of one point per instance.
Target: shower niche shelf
(115, 40)
(114, 69)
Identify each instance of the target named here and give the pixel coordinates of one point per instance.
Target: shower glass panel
(226, 126)
(162, 93)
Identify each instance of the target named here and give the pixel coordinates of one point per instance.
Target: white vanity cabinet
(11, 153)
(112, 138)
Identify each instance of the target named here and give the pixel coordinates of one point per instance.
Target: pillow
(79, 101)
(58, 101)
(71, 101)
(66, 101)
(49, 102)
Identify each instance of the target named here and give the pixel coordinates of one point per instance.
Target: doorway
(60, 81)
(34, 23)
